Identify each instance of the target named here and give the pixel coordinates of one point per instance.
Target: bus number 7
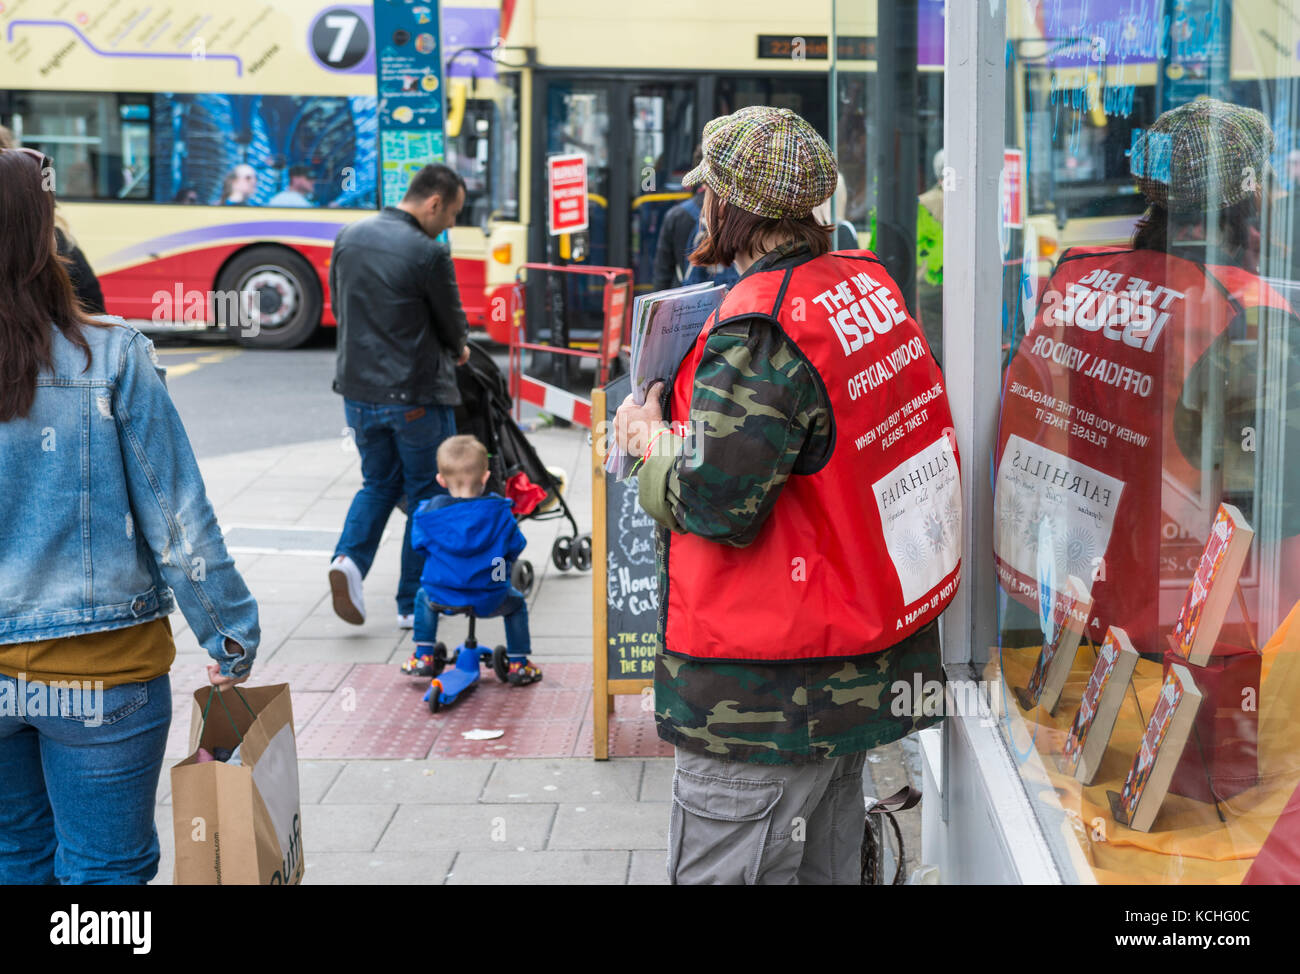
(346, 25)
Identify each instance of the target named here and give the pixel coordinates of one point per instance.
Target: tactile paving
(370, 710)
(631, 731)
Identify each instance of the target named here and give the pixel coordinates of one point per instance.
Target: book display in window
(1138, 801)
(1071, 610)
(1090, 732)
(1201, 618)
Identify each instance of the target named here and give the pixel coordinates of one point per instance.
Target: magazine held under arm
(665, 325)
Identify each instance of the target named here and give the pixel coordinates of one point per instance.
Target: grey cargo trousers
(764, 824)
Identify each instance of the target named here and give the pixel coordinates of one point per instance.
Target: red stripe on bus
(149, 290)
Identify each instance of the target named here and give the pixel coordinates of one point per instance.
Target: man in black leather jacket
(401, 334)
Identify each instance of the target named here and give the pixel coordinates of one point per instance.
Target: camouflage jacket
(767, 420)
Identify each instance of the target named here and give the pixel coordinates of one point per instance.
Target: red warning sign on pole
(566, 178)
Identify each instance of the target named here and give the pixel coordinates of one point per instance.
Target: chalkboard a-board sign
(625, 596)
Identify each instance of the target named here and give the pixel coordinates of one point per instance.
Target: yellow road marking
(211, 358)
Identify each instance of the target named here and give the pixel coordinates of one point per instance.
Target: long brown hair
(35, 290)
(733, 232)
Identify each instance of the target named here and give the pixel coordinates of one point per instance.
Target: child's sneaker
(522, 674)
(423, 662)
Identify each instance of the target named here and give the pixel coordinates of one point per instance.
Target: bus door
(637, 139)
(664, 129)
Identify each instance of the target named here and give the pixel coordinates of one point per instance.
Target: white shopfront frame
(978, 825)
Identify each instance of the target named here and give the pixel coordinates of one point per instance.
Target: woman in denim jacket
(103, 521)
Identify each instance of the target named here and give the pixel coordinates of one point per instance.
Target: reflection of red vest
(863, 551)
(1097, 411)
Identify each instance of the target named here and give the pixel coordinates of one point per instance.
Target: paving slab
(424, 828)
(573, 780)
(339, 649)
(377, 868)
(315, 779)
(648, 869)
(657, 782)
(549, 868)
(410, 782)
(344, 828)
(610, 825)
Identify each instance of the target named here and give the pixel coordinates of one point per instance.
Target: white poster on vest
(920, 513)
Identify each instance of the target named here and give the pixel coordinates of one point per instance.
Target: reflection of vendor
(301, 186)
(1131, 408)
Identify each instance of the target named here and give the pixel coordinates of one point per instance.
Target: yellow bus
(629, 87)
(205, 151)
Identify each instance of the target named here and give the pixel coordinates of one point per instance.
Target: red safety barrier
(616, 306)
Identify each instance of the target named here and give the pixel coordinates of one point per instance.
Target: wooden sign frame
(603, 688)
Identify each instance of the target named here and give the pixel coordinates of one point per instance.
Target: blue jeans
(399, 455)
(77, 801)
(513, 610)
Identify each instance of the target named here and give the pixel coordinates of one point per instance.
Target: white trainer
(345, 586)
(406, 621)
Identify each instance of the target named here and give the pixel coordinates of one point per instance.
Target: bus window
(577, 122)
(503, 158)
(664, 132)
(468, 153)
(805, 96)
(99, 143)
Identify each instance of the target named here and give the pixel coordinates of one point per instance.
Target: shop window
(1147, 544)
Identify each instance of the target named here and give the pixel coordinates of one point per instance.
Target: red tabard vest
(854, 556)
(1093, 407)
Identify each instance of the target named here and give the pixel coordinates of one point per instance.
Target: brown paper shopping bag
(239, 823)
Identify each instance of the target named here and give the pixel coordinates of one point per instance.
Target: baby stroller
(517, 472)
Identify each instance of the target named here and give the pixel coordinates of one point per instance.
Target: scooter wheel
(521, 576)
(435, 694)
(500, 664)
(582, 552)
(562, 553)
(439, 661)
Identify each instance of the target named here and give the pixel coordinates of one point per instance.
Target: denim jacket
(103, 514)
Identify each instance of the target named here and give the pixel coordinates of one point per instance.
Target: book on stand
(1201, 619)
(1071, 609)
(1138, 802)
(665, 325)
(1090, 732)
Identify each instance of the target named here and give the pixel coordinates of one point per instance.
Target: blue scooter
(446, 687)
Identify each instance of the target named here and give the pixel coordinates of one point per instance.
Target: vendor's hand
(634, 425)
(464, 356)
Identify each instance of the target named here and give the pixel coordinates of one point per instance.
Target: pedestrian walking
(807, 543)
(402, 332)
(104, 526)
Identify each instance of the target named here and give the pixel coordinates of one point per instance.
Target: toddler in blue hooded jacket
(470, 542)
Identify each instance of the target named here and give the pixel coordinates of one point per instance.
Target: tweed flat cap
(1204, 154)
(766, 160)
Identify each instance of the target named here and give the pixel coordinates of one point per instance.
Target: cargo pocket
(719, 828)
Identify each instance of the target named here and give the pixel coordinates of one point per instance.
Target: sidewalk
(392, 793)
